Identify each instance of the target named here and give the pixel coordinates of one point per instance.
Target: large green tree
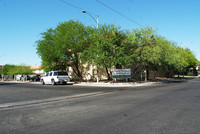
(71, 39)
(62, 46)
(154, 52)
(9, 70)
(108, 48)
(146, 51)
(46, 49)
(187, 60)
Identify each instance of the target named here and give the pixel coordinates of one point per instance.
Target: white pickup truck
(55, 77)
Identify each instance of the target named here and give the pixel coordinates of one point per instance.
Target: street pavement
(21, 93)
(157, 109)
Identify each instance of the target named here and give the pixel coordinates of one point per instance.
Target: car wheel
(53, 82)
(42, 81)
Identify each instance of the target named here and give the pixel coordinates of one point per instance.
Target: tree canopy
(9, 70)
(109, 46)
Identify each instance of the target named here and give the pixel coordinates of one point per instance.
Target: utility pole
(2, 67)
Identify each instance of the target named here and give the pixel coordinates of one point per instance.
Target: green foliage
(155, 52)
(147, 52)
(7, 69)
(190, 74)
(46, 50)
(14, 70)
(22, 69)
(63, 45)
(108, 46)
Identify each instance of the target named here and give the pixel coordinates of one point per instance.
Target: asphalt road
(163, 109)
(23, 92)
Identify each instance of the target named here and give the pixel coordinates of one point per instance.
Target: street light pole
(185, 43)
(97, 22)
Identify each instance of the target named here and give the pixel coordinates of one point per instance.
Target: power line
(75, 6)
(119, 13)
(105, 6)
(71, 5)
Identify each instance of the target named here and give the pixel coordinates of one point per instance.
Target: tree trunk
(7, 77)
(136, 68)
(155, 74)
(77, 71)
(108, 73)
(148, 74)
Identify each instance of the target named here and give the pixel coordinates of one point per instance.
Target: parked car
(35, 78)
(55, 77)
(27, 77)
(23, 77)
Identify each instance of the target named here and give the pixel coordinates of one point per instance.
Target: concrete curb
(129, 84)
(124, 84)
(100, 84)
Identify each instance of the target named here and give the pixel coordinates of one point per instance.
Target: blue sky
(22, 21)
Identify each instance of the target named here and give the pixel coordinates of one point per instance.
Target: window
(55, 73)
(62, 73)
(47, 74)
(50, 74)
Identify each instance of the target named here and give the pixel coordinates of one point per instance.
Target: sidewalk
(137, 84)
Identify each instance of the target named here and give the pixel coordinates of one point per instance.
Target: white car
(55, 77)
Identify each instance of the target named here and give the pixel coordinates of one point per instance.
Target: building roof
(37, 67)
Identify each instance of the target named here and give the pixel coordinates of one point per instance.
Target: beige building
(37, 69)
(89, 73)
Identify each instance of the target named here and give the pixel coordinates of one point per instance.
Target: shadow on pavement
(175, 80)
(5, 83)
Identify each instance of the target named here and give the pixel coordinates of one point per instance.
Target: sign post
(121, 73)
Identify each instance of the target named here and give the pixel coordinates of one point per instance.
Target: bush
(190, 74)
